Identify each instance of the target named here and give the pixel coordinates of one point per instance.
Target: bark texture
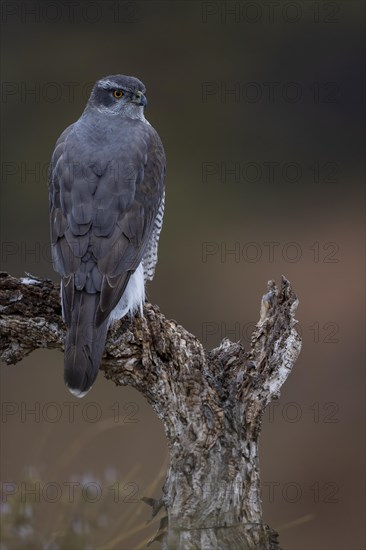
(211, 404)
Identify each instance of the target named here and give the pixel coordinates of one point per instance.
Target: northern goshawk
(106, 196)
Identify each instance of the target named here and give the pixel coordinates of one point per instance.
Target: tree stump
(211, 404)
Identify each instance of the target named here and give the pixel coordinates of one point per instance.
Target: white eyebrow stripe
(108, 84)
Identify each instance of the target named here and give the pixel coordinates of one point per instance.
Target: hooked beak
(140, 99)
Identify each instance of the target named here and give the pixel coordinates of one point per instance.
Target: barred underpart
(150, 258)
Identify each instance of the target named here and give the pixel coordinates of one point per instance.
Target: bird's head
(119, 95)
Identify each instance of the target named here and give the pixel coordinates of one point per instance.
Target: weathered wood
(211, 404)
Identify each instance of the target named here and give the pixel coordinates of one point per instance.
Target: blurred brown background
(260, 108)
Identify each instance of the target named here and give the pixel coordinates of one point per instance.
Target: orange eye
(118, 94)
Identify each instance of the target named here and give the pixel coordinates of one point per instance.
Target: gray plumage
(106, 193)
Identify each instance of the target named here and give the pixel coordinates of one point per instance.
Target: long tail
(84, 344)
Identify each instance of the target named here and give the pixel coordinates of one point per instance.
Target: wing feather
(103, 208)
